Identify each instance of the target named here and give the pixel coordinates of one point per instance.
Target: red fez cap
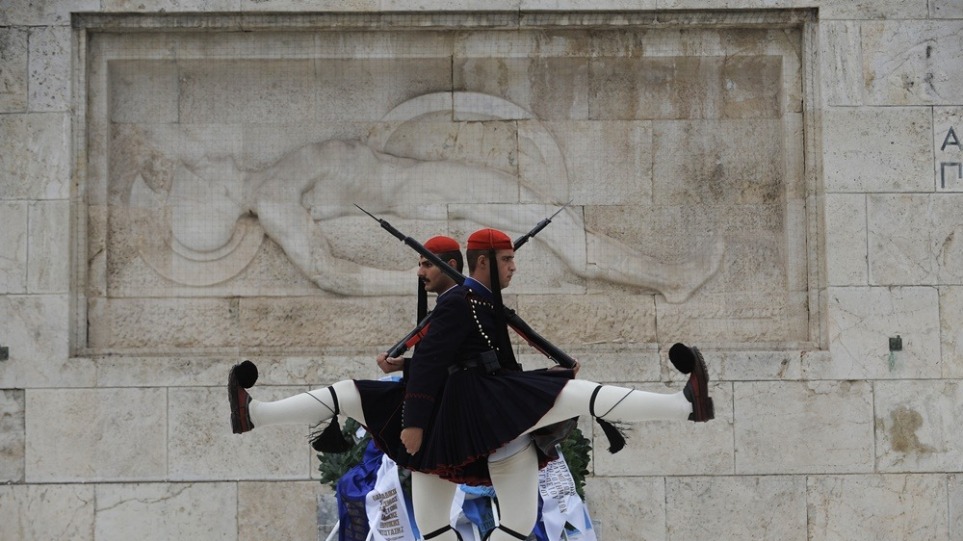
(490, 239)
(442, 244)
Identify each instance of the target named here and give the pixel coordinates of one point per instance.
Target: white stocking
(515, 480)
(615, 404)
(310, 408)
(432, 496)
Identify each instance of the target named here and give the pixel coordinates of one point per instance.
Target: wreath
(576, 449)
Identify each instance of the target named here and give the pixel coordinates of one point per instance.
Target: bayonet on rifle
(520, 241)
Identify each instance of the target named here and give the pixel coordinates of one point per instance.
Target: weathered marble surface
(912, 62)
(48, 271)
(44, 13)
(143, 511)
(49, 69)
(34, 157)
(828, 9)
(12, 435)
(608, 163)
(847, 260)
(170, 5)
(728, 507)
(627, 362)
(917, 426)
(885, 149)
(955, 486)
(913, 239)
(951, 331)
(14, 240)
(759, 365)
(13, 69)
(44, 512)
(862, 320)
(92, 437)
(298, 499)
(946, 8)
(842, 67)
(592, 319)
(210, 371)
(779, 424)
(35, 330)
(641, 514)
(871, 507)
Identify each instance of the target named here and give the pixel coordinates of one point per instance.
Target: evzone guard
(466, 412)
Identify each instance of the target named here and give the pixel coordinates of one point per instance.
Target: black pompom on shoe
(246, 374)
(682, 358)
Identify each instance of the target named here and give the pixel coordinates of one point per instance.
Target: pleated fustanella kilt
(476, 414)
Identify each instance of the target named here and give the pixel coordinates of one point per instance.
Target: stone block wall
(818, 143)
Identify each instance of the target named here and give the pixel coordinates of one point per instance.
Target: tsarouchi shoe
(242, 376)
(688, 360)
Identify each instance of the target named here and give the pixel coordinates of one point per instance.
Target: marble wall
(779, 187)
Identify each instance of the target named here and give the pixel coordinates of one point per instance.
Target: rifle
(421, 328)
(513, 319)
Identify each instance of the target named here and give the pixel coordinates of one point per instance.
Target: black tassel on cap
(422, 301)
(331, 439)
(613, 434)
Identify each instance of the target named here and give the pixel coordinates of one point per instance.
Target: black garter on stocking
(615, 437)
(331, 439)
(440, 531)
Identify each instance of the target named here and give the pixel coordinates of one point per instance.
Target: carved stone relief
(232, 182)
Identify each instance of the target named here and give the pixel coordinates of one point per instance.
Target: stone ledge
(402, 20)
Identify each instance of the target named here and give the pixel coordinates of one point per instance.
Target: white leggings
(514, 477)
(612, 403)
(515, 480)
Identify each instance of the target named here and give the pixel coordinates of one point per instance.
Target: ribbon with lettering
(561, 505)
(387, 510)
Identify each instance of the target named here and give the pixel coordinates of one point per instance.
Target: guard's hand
(390, 364)
(411, 439)
(574, 369)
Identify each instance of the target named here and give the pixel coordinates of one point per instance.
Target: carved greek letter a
(951, 139)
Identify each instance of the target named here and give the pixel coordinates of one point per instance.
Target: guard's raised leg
(311, 408)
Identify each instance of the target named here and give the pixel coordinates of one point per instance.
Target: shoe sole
(702, 407)
(240, 421)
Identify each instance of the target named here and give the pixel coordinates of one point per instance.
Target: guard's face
(436, 281)
(506, 266)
